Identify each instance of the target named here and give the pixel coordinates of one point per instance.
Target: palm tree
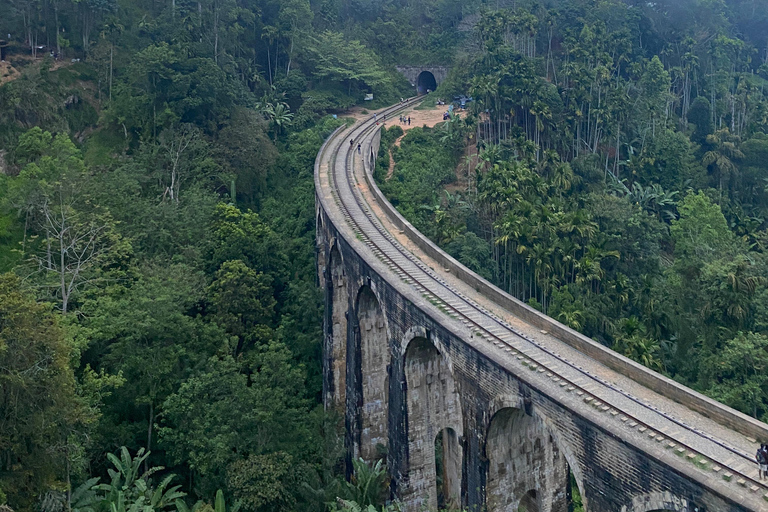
(720, 158)
(279, 115)
(573, 319)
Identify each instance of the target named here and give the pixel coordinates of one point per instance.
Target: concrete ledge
(704, 405)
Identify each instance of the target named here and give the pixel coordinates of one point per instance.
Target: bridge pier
(435, 427)
(334, 279)
(372, 382)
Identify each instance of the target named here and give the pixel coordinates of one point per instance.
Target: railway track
(730, 464)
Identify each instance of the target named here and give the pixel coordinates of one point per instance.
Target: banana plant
(130, 490)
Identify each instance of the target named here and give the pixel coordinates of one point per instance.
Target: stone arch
(658, 501)
(570, 457)
(339, 307)
(374, 378)
(522, 457)
(432, 406)
(425, 82)
(565, 448)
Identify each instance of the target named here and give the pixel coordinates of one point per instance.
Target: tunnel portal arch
(433, 407)
(374, 360)
(424, 77)
(426, 82)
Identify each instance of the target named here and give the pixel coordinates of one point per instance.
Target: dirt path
(419, 118)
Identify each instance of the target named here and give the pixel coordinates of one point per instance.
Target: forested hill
(156, 217)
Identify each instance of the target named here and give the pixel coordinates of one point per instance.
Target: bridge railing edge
(665, 386)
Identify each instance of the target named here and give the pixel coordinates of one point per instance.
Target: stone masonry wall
(523, 456)
(374, 357)
(612, 474)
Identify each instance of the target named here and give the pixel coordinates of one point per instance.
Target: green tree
(237, 408)
(39, 406)
(136, 327)
(701, 233)
(720, 158)
(243, 303)
(349, 62)
(737, 374)
(131, 489)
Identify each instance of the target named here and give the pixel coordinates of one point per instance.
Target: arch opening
(448, 469)
(433, 412)
(339, 297)
(374, 359)
(426, 82)
(526, 469)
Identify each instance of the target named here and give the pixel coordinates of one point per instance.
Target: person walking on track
(762, 461)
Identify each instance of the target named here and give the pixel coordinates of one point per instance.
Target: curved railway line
(732, 465)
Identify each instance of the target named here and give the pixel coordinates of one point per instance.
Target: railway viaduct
(477, 401)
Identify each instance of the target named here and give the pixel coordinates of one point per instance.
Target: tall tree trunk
(149, 431)
(56, 20)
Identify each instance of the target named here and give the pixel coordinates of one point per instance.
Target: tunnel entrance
(426, 82)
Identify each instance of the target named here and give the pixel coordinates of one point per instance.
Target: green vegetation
(618, 187)
(158, 299)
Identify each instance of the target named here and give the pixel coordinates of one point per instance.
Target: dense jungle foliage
(612, 172)
(156, 218)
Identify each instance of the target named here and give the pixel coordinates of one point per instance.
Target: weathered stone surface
(522, 457)
(374, 357)
(437, 380)
(336, 345)
(433, 407)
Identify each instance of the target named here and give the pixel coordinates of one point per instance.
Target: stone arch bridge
(475, 400)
